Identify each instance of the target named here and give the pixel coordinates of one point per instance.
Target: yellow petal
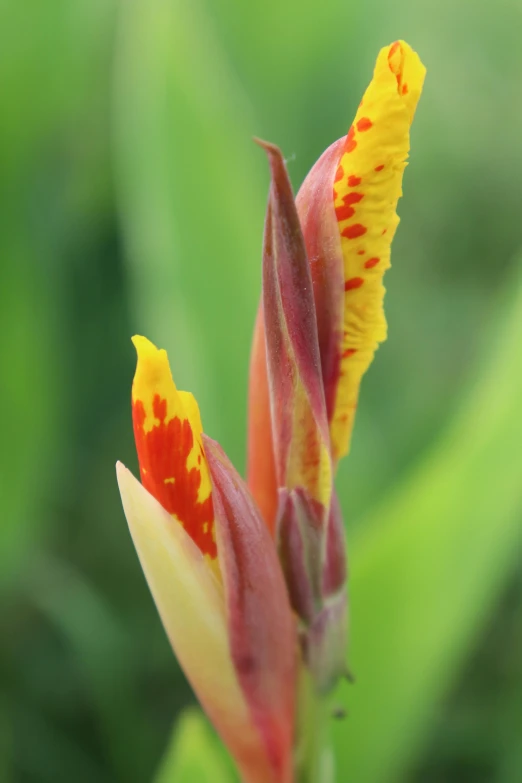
(367, 187)
(191, 604)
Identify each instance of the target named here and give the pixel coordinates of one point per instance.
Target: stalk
(313, 758)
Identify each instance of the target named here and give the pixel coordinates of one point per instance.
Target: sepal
(299, 539)
(315, 572)
(325, 642)
(335, 573)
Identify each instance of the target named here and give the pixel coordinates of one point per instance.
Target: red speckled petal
(167, 431)
(347, 206)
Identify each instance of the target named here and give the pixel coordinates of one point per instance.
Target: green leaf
(5, 745)
(36, 215)
(194, 754)
(429, 565)
(103, 652)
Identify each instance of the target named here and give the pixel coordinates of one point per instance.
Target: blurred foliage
(132, 199)
(194, 754)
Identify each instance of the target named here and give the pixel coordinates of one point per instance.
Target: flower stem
(313, 756)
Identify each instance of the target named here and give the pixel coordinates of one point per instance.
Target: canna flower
(213, 571)
(250, 580)
(320, 321)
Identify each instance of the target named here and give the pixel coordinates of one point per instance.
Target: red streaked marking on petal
(349, 352)
(396, 63)
(361, 252)
(379, 168)
(352, 232)
(344, 212)
(364, 124)
(339, 174)
(393, 49)
(404, 89)
(353, 282)
(371, 262)
(350, 144)
(163, 453)
(353, 198)
(353, 181)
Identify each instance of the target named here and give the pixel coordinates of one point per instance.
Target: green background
(132, 200)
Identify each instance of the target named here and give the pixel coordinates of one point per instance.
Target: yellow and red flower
(241, 574)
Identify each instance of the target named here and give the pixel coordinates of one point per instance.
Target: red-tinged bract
(292, 371)
(261, 625)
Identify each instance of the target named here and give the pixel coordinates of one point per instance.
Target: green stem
(313, 760)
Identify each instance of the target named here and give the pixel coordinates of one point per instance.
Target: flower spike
(250, 580)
